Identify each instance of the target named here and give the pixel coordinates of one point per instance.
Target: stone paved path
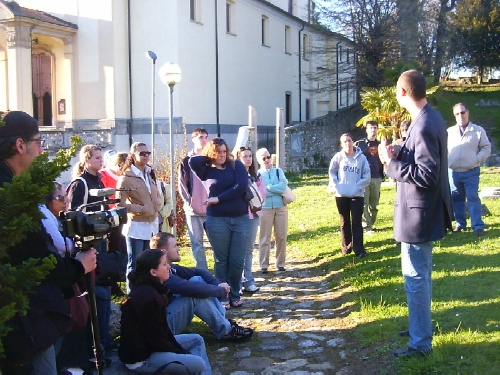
(299, 328)
(296, 329)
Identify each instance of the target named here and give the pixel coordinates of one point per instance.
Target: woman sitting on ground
(147, 344)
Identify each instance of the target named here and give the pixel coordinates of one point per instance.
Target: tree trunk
(441, 32)
(408, 16)
(480, 73)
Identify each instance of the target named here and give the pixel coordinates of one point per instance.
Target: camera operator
(86, 176)
(48, 314)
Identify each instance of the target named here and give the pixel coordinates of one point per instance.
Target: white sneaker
(252, 288)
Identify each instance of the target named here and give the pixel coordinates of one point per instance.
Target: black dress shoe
(410, 352)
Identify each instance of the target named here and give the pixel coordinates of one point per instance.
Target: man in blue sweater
(194, 291)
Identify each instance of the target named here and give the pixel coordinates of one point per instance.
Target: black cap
(18, 123)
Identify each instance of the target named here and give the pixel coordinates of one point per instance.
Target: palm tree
(382, 107)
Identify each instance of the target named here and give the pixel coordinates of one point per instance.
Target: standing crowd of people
(163, 297)
(435, 169)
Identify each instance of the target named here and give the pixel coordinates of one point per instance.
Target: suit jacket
(423, 209)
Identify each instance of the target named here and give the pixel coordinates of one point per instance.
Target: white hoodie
(349, 175)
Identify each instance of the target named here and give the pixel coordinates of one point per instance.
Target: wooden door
(42, 88)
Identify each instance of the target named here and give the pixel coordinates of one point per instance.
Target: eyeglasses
(144, 153)
(460, 113)
(40, 141)
(266, 158)
(59, 198)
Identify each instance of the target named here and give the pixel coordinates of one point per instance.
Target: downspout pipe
(130, 99)
(217, 110)
(300, 72)
(337, 76)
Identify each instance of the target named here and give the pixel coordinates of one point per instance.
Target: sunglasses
(266, 158)
(460, 113)
(245, 148)
(144, 153)
(59, 198)
(218, 141)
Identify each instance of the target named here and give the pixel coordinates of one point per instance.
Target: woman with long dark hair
(247, 157)
(147, 345)
(227, 212)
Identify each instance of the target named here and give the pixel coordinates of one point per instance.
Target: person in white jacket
(468, 148)
(349, 174)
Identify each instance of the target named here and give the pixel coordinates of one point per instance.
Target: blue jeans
(229, 236)
(196, 362)
(103, 305)
(416, 263)
(134, 247)
(467, 187)
(247, 278)
(180, 312)
(195, 231)
(44, 363)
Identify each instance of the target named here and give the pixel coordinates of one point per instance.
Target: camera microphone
(101, 192)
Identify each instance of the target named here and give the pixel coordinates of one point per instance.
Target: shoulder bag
(253, 196)
(288, 195)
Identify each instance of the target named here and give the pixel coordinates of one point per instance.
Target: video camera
(92, 226)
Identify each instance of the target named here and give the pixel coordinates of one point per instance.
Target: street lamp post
(170, 75)
(151, 55)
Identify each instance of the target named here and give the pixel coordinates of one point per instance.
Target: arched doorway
(42, 88)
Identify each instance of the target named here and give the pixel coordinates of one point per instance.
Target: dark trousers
(351, 231)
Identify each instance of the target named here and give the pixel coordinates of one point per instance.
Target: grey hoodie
(349, 175)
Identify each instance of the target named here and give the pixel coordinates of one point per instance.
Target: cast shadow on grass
(312, 234)
(459, 299)
(455, 351)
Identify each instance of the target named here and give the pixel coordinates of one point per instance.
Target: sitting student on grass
(194, 291)
(147, 344)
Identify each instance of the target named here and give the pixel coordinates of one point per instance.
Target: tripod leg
(96, 337)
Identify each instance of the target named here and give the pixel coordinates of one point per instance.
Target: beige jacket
(140, 203)
(467, 151)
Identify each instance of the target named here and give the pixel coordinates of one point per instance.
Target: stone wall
(312, 144)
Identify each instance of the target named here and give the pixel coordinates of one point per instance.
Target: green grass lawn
(487, 116)
(466, 282)
(466, 288)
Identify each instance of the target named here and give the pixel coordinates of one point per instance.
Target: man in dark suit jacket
(423, 209)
